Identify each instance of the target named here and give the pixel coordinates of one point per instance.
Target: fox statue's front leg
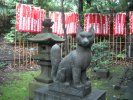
(60, 77)
(76, 74)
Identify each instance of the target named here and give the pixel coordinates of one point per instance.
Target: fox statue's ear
(79, 29)
(92, 30)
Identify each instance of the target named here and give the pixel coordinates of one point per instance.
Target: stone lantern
(45, 41)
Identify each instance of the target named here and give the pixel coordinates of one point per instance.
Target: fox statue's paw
(87, 84)
(66, 84)
(83, 85)
(79, 86)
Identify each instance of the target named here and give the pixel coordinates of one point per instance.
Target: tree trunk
(29, 1)
(88, 2)
(80, 11)
(63, 26)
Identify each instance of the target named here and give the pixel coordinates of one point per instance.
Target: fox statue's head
(85, 39)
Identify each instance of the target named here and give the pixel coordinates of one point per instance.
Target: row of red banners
(29, 18)
(100, 22)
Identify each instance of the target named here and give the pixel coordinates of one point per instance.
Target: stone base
(33, 85)
(43, 79)
(46, 94)
(102, 73)
(71, 90)
(128, 95)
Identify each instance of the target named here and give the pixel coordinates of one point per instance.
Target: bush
(101, 55)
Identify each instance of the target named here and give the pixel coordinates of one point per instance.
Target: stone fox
(72, 68)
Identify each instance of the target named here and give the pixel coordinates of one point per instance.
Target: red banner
(131, 21)
(100, 22)
(23, 18)
(95, 20)
(119, 25)
(54, 17)
(29, 18)
(43, 14)
(105, 25)
(17, 16)
(97, 24)
(32, 20)
(88, 21)
(59, 27)
(36, 18)
(71, 22)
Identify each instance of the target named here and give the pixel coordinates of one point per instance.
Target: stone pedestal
(70, 90)
(46, 94)
(33, 85)
(61, 92)
(128, 95)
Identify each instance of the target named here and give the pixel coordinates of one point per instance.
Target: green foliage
(9, 37)
(2, 64)
(16, 88)
(3, 12)
(55, 5)
(3, 16)
(107, 6)
(121, 56)
(101, 55)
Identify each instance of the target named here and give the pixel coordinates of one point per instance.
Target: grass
(16, 88)
(107, 84)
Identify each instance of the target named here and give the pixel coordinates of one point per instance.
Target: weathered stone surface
(46, 94)
(44, 63)
(45, 75)
(70, 90)
(33, 85)
(46, 38)
(44, 57)
(129, 92)
(102, 73)
(47, 23)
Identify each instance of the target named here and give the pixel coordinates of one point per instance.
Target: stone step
(46, 94)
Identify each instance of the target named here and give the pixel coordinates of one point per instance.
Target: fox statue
(72, 68)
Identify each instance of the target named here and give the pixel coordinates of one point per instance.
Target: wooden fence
(120, 46)
(23, 52)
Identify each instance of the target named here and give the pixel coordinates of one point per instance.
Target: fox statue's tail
(55, 60)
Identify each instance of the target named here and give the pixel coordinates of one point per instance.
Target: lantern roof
(46, 38)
